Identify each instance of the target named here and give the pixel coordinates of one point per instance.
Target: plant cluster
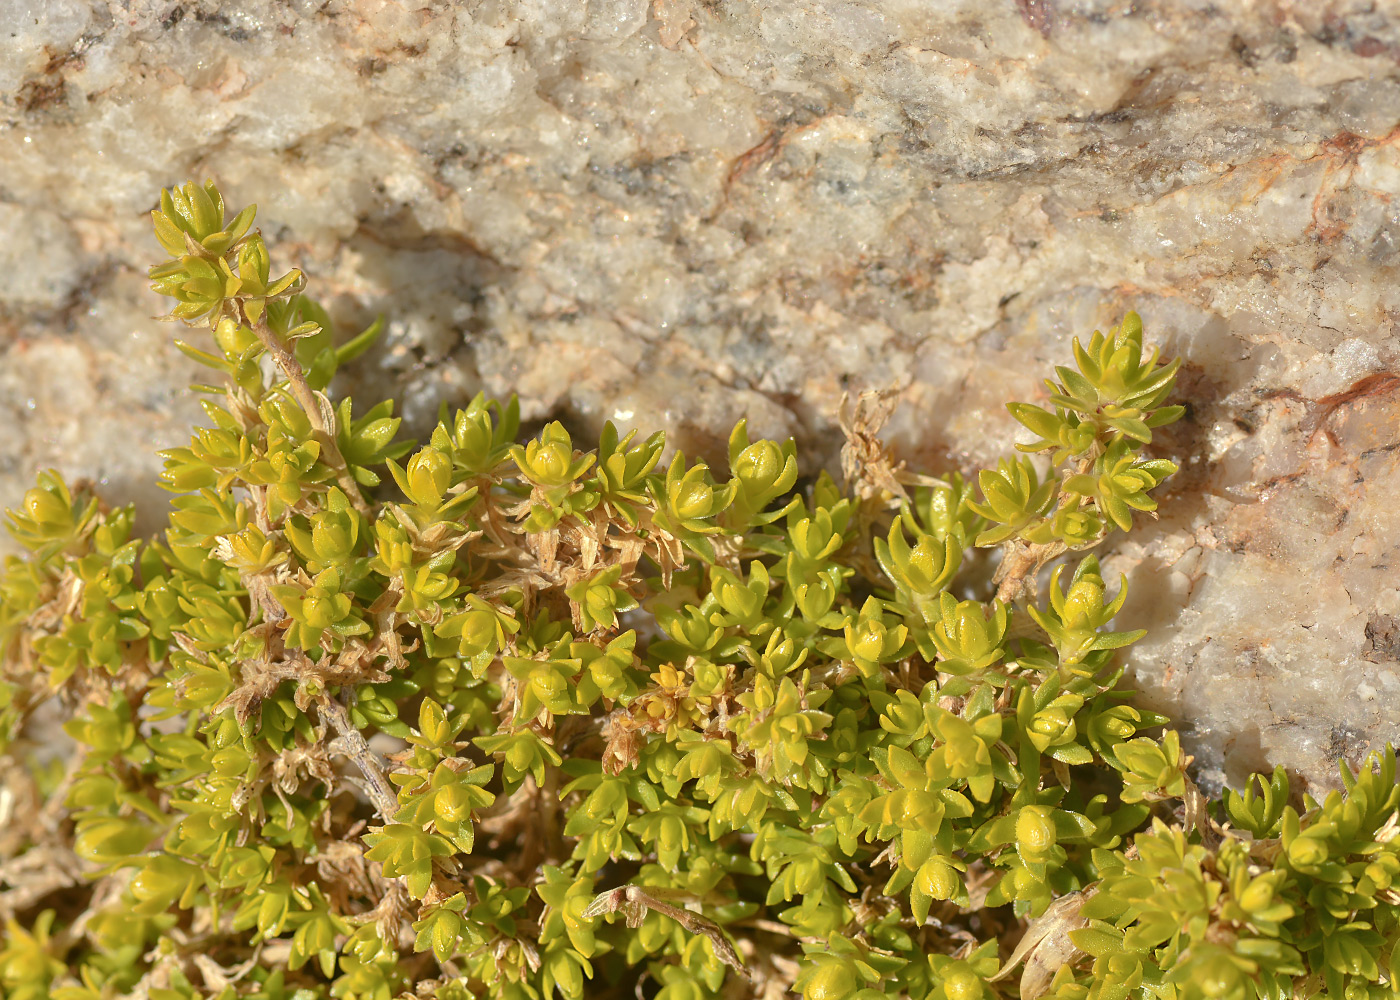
(481, 718)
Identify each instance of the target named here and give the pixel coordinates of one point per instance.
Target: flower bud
(693, 499)
(1035, 831)
(1258, 895)
(1083, 603)
(938, 879)
(429, 476)
(318, 610)
(1050, 723)
(962, 984)
(47, 509)
(916, 806)
(962, 753)
(925, 563)
(332, 535)
(760, 463)
(1306, 852)
(831, 981)
(867, 641)
(550, 462)
(452, 804)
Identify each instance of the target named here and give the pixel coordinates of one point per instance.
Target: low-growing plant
(477, 718)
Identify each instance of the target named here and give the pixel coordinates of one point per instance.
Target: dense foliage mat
(479, 718)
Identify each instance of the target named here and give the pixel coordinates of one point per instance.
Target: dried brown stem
(1022, 561)
(633, 902)
(353, 745)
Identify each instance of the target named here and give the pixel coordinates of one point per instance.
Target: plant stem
(307, 398)
(354, 746)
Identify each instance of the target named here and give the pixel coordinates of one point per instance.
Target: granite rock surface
(681, 212)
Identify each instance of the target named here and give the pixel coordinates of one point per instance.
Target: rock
(679, 213)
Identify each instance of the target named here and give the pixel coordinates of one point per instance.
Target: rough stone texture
(678, 213)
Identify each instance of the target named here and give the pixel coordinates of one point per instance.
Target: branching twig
(353, 745)
(1019, 566)
(633, 902)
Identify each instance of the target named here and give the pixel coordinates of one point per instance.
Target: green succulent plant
(488, 718)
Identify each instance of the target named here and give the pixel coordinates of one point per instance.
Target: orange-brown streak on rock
(1341, 152)
(1372, 386)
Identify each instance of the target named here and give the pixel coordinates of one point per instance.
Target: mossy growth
(476, 718)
